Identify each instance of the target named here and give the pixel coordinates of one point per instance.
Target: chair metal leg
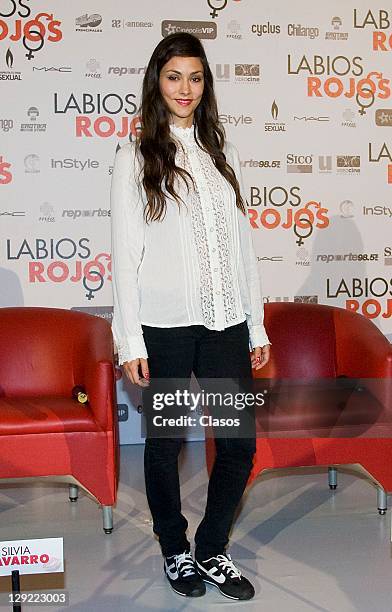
(332, 477)
(73, 492)
(107, 512)
(381, 500)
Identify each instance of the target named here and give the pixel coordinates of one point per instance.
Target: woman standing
(186, 294)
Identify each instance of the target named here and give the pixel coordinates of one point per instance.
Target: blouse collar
(185, 135)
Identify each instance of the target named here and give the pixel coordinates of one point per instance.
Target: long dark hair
(155, 143)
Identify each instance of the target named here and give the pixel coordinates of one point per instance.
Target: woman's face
(181, 82)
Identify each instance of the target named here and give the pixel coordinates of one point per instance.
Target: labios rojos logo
(17, 23)
(5, 173)
(102, 115)
(339, 76)
(60, 260)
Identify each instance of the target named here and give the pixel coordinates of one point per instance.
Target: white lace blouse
(195, 267)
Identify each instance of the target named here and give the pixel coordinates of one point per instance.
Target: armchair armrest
(362, 351)
(100, 386)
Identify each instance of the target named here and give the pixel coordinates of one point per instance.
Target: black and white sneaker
(222, 573)
(183, 576)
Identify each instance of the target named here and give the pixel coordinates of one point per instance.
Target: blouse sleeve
(127, 245)
(255, 319)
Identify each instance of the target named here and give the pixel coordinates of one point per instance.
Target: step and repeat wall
(304, 92)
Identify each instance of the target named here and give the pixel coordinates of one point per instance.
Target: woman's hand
(132, 371)
(260, 356)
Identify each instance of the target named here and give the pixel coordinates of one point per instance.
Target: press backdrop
(304, 92)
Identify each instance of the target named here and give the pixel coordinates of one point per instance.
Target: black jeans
(176, 352)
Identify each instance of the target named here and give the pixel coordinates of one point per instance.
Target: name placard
(39, 556)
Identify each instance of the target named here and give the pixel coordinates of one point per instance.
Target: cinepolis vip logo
(383, 117)
(200, 29)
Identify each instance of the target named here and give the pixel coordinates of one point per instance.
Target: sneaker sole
(225, 594)
(183, 594)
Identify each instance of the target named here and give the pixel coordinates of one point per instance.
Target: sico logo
(5, 174)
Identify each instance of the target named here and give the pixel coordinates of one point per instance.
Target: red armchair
(345, 420)
(44, 353)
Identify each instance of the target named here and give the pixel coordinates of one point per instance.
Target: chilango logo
(273, 207)
(338, 76)
(95, 114)
(33, 32)
(364, 295)
(58, 260)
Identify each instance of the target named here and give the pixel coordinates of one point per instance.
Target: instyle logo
(77, 164)
(200, 29)
(235, 120)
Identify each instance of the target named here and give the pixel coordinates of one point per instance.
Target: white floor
(306, 548)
